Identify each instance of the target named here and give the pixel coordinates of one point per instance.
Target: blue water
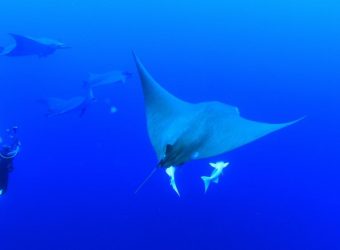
(73, 183)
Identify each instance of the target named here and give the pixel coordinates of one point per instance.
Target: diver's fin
(206, 181)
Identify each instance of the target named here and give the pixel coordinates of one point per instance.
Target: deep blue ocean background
(74, 180)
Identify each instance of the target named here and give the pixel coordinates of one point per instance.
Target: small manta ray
(108, 78)
(215, 175)
(27, 46)
(181, 131)
(57, 106)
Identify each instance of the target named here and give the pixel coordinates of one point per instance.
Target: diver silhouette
(9, 149)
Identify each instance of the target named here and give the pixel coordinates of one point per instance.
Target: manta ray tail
(145, 180)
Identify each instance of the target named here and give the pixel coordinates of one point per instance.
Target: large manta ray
(180, 131)
(26, 46)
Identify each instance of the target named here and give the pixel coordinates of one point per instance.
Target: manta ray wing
(204, 129)
(56, 106)
(165, 113)
(226, 130)
(53, 104)
(25, 46)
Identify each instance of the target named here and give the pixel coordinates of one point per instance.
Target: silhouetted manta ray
(112, 77)
(26, 46)
(57, 106)
(181, 131)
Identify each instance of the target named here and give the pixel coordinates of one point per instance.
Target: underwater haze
(74, 179)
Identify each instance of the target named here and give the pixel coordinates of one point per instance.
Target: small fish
(171, 172)
(216, 173)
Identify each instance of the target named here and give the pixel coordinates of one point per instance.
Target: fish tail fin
(206, 181)
(216, 180)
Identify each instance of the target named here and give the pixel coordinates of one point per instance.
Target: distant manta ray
(180, 131)
(108, 78)
(57, 106)
(26, 46)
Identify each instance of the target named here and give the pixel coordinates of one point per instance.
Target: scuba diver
(9, 149)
